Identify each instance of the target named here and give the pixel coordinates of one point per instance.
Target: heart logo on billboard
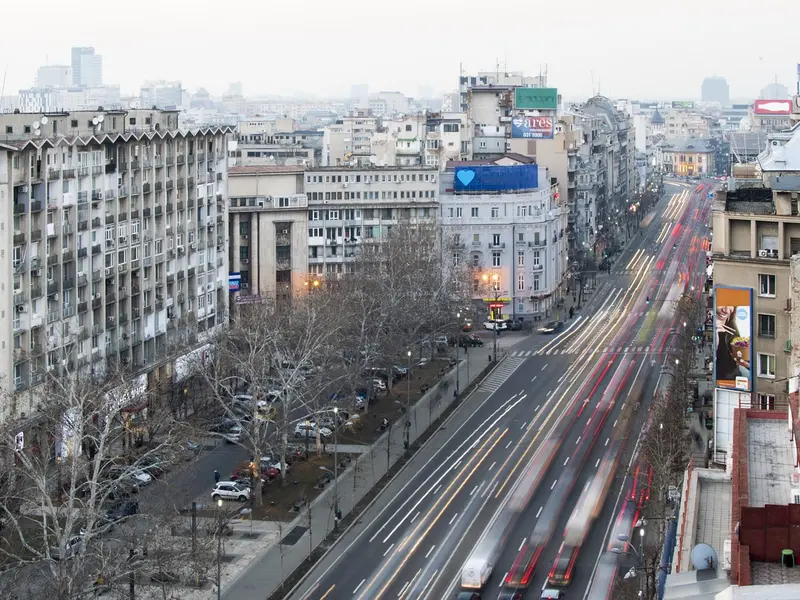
(465, 176)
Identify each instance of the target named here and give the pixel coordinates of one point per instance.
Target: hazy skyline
(618, 47)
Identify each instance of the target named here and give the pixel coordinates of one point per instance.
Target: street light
(407, 434)
(219, 546)
(458, 345)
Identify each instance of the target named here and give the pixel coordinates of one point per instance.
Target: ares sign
(532, 128)
(526, 98)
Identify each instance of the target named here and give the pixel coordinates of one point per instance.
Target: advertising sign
(526, 98)
(480, 178)
(772, 107)
(234, 281)
(532, 128)
(688, 104)
(733, 334)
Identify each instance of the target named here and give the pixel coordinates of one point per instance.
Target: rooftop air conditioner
(762, 253)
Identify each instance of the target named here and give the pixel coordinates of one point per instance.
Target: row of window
(538, 238)
(497, 260)
(392, 195)
(372, 178)
(354, 214)
(494, 212)
(535, 286)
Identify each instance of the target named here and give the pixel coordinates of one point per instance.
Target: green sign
(683, 104)
(526, 98)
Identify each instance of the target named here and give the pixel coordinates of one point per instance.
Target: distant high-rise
(774, 91)
(54, 76)
(715, 89)
(87, 67)
(359, 92)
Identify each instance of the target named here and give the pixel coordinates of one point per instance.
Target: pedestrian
(571, 312)
(216, 477)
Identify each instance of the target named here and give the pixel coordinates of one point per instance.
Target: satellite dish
(704, 557)
(37, 132)
(95, 121)
(44, 120)
(101, 118)
(373, 159)
(36, 124)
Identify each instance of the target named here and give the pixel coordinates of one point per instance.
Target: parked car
(379, 384)
(400, 371)
(153, 465)
(303, 429)
(138, 477)
(233, 435)
(467, 326)
(551, 327)
(230, 490)
(495, 325)
(512, 325)
(440, 341)
(121, 511)
(73, 546)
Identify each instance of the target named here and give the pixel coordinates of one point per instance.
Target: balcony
(135, 189)
(20, 298)
(69, 283)
(135, 164)
(96, 249)
(109, 218)
(53, 173)
(190, 180)
(36, 206)
(159, 186)
(97, 302)
(190, 203)
(146, 212)
(110, 322)
(83, 307)
(136, 313)
(52, 287)
(83, 171)
(122, 191)
(111, 297)
(19, 238)
(67, 255)
(201, 157)
(68, 311)
(499, 246)
(181, 159)
(170, 184)
(146, 188)
(68, 173)
(170, 207)
(159, 210)
(36, 291)
(98, 170)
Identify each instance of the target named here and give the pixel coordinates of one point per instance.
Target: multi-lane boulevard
(530, 440)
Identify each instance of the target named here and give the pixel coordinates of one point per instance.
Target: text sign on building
(234, 281)
(688, 104)
(772, 107)
(481, 178)
(526, 98)
(532, 128)
(733, 325)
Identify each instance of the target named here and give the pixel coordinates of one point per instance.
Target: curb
(472, 387)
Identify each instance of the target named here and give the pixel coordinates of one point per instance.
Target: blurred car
(153, 465)
(468, 596)
(513, 325)
(551, 327)
(469, 340)
(309, 429)
(121, 511)
(467, 326)
(233, 435)
(495, 325)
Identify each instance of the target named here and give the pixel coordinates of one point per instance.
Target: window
(766, 402)
(766, 366)
(495, 239)
(536, 283)
(522, 211)
(456, 259)
(766, 285)
(521, 258)
(476, 260)
(766, 325)
(520, 237)
(458, 212)
(476, 238)
(474, 211)
(495, 259)
(495, 212)
(521, 282)
(536, 258)
(450, 212)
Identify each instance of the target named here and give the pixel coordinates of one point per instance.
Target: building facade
(115, 238)
(349, 140)
(268, 233)
(688, 157)
(715, 89)
(516, 237)
(87, 67)
(349, 205)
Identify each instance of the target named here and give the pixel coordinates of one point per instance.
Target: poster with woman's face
(732, 337)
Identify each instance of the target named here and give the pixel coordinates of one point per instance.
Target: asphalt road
(560, 405)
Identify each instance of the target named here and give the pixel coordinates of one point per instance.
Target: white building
(161, 94)
(87, 67)
(54, 76)
(516, 237)
(348, 205)
(115, 246)
(349, 140)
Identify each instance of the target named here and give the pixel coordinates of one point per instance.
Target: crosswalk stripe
(501, 374)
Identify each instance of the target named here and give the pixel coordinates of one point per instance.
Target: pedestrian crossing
(500, 374)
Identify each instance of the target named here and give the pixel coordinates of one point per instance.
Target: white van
(476, 573)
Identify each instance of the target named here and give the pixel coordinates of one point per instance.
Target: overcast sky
(628, 48)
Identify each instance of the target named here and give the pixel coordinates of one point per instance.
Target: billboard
(496, 178)
(683, 104)
(234, 281)
(526, 98)
(772, 107)
(532, 128)
(733, 334)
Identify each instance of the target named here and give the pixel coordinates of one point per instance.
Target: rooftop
(746, 200)
(688, 145)
(769, 456)
(657, 119)
(266, 170)
(785, 157)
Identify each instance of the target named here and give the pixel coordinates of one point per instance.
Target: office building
(54, 76)
(348, 141)
(349, 205)
(268, 233)
(513, 231)
(87, 67)
(715, 89)
(115, 247)
(161, 94)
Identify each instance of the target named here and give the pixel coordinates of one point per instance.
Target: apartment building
(349, 140)
(275, 142)
(268, 229)
(115, 246)
(511, 229)
(756, 232)
(349, 205)
(688, 157)
(685, 123)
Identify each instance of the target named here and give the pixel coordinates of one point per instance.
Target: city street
(560, 405)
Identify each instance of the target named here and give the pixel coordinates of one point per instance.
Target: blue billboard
(494, 178)
(533, 128)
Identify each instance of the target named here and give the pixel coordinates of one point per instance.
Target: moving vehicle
(475, 573)
(551, 594)
(551, 327)
(469, 340)
(309, 429)
(495, 325)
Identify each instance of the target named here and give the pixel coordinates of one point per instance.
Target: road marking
(358, 587)
(523, 425)
(578, 440)
(554, 484)
(475, 489)
(615, 423)
(529, 352)
(453, 519)
(607, 440)
(549, 393)
(538, 512)
(566, 461)
(544, 366)
(403, 591)
(597, 463)
(491, 468)
(537, 407)
(438, 487)
(509, 444)
(503, 579)
(389, 549)
(534, 378)
(429, 551)
(415, 517)
(330, 589)
(522, 543)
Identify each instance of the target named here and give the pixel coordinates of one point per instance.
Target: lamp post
(219, 547)
(639, 555)
(407, 431)
(458, 345)
(308, 427)
(336, 468)
(495, 279)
